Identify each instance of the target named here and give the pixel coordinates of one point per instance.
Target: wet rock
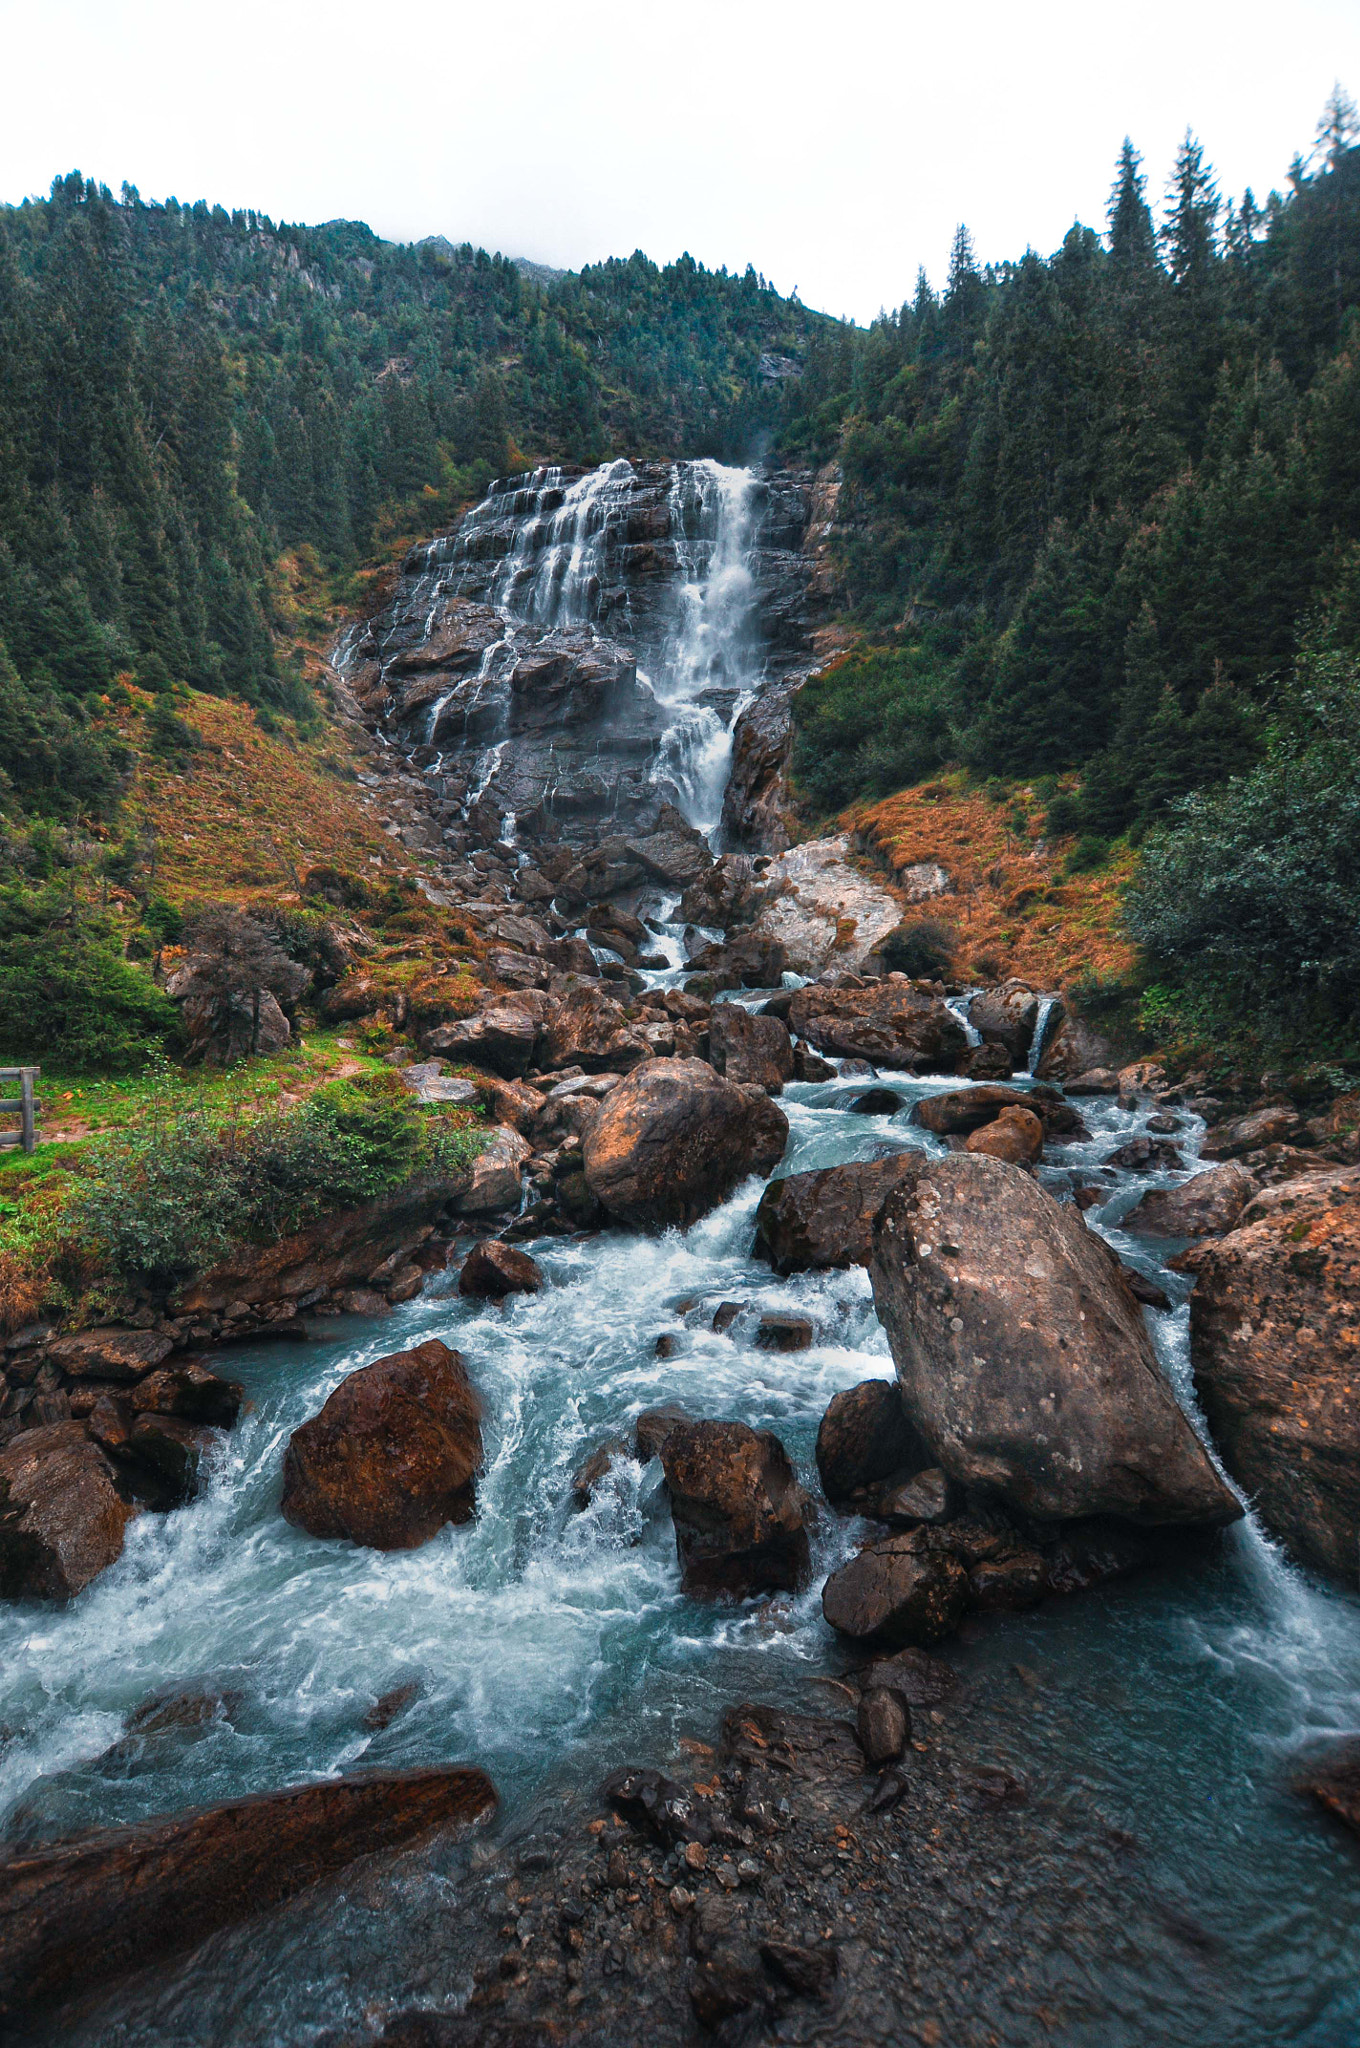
(674, 1139)
(110, 1354)
(725, 1314)
(890, 1022)
(1336, 1784)
(1016, 1135)
(61, 1516)
(1074, 1047)
(778, 1330)
(1005, 1017)
(737, 1508)
(865, 1439)
(656, 1806)
(1016, 1579)
(1146, 1155)
(585, 1480)
(921, 1679)
(810, 1972)
(652, 1428)
(748, 959)
(393, 1454)
(493, 1270)
(985, 1063)
(187, 1390)
(810, 1066)
(1146, 1292)
(877, 1102)
(756, 799)
(495, 1183)
(81, 1912)
(1204, 1206)
(1272, 1344)
(883, 1726)
(896, 1592)
(754, 1049)
(964, 1110)
(389, 1705)
(925, 1499)
(503, 1037)
(174, 1450)
(808, 1222)
(1274, 1126)
(1024, 1361)
(1096, 1081)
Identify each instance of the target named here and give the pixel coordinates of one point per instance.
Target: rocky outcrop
(890, 1023)
(78, 1913)
(756, 800)
(737, 1508)
(808, 1222)
(822, 910)
(1204, 1206)
(1023, 1358)
(62, 1517)
(674, 1138)
(393, 1454)
(865, 1441)
(1273, 1344)
(751, 1049)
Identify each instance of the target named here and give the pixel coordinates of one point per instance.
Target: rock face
(890, 1023)
(897, 1592)
(83, 1911)
(1204, 1206)
(674, 1138)
(393, 1454)
(808, 1222)
(1273, 1327)
(737, 1508)
(61, 1516)
(1023, 1359)
(865, 1439)
(756, 798)
(823, 911)
(756, 1050)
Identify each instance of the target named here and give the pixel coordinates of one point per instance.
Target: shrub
(869, 726)
(924, 950)
(67, 995)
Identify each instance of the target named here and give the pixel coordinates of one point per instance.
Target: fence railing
(25, 1105)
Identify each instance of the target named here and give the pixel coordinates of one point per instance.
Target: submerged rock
(80, 1912)
(61, 1516)
(1023, 1359)
(808, 1222)
(673, 1140)
(392, 1456)
(737, 1508)
(1273, 1322)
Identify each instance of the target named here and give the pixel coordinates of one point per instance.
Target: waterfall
(1047, 1005)
(958, 1006)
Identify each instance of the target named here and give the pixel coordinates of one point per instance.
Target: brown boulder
(110, 1354)
(1016, 1135)
(393, 1454)
(652, 1428)
(889, 1022)
(61, 1517)
(673, 1140)
(589, 1030)
(1273, 1322)
(966, 1109)
(1005, 1017)
(189, 1391)
(495, 1181)
(883, 1725)
(1023, 1359)
(865, 1439)
(750, 1048)
(1073, 1047)
(1275, 1126)
(1204, 1206)
(808, 1222)
(492, 1270)
(175, 1451)
(79, 1912)
(737, 1508)
(503, 1037)
(896, 1592)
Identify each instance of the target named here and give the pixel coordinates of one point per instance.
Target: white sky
(834, 145)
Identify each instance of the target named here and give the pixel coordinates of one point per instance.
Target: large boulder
(1273, 1126)
(393, 1454)
(824, 911)
(110, 1353)
(1204, 1206)
(1024, 1360)
(866, 1439)
(1005, 1017)
(1273, 1325)
(495, 1181)
(503, 1037)
(752, 1049)
(1015, 1135)
(737, 1507)
(674, 1138)
(962, 1110)
(890, 1023)
(1072, 1048)
(897, 1591)
(61, 1515)
(808, 1222)
(78, 1912)
(492, 1270)
(589, 1030)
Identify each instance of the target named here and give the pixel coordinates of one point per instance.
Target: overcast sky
(833, 145)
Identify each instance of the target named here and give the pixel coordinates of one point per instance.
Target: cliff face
(573, 657)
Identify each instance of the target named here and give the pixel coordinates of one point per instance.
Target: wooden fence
(24, 1105)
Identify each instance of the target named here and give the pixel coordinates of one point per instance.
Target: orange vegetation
(1014, 909)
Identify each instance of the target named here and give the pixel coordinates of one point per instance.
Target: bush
(67, 995)
(166, 1201)
(924, 950)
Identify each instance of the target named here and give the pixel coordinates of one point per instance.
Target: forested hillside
(1097, 504)
(186, 393)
